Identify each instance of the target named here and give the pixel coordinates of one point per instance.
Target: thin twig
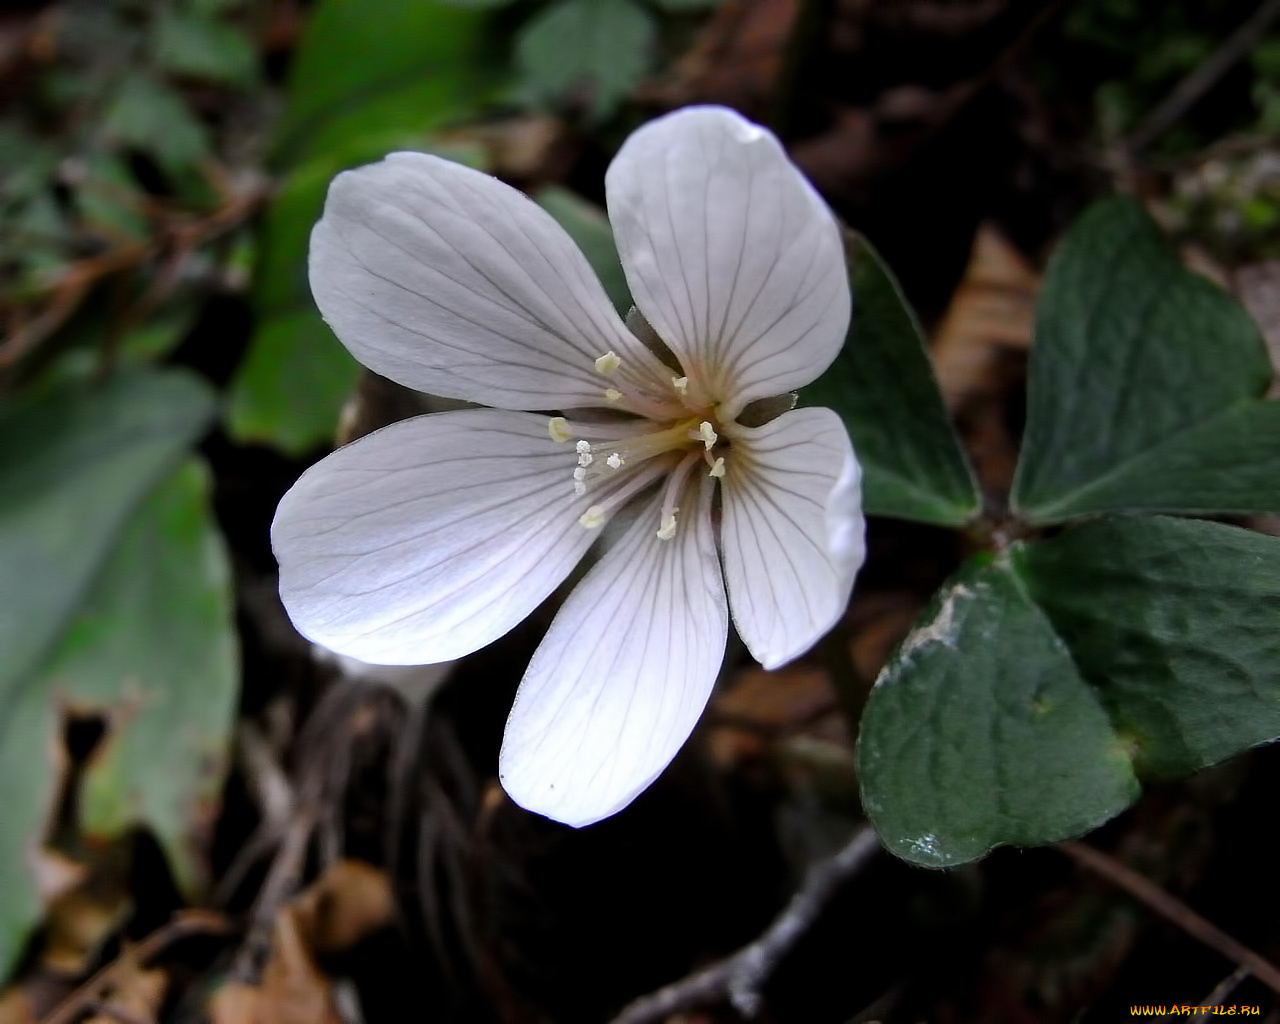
(1220, 993)
(738, 978)
(191, 922)
(1187, 92)
(1172, 908)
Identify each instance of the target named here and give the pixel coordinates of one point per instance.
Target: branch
(1201, 929)
(738, 978)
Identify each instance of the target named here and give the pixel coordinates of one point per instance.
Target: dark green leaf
(151, 649)
(74, 463)
(291, 386)
(203, 47)
(147, 114)
(586, 50)
(290, 389)
(883, 387)
(981, 732)
(1175, 623)
(587, 225)
(378, 66)
(1145, 381)
(369, 78)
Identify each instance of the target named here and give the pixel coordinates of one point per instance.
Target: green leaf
(587, 225)
(152, 651)
(1146, 384)
(370, 77)
(203, 47)
(593, 49)
(74, 463)
(369, 66)
(981, 731)
(883, 387)
(1037, 685)
(149, 115)
(1174, 621)
(290, 390)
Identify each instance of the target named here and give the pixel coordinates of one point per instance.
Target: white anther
(717, 469)
(558, 428)
(592, 518)
(608, 362)
(585, 459)
(681, 384)
(580, 473)
(615, 461)
(708, 434)
(668, 528)
(612, 394)
(582, 446)
(579, 488)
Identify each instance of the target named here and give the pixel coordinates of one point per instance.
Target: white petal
(730, 254)
(623, 674)
(792, 532)
(428, 539)
(448, 281)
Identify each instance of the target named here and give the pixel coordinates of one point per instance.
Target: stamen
(615, 461)
(668, 528)
(717, 469)
(627, 487)
(558, 428)
(579, 488)
(585, 459)
(681, 384)
(675, 485)
(608, 362)
(612, 394)
(707, 434)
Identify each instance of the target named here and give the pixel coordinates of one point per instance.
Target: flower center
(673, 434)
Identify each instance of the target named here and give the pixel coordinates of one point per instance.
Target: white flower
(433, 537)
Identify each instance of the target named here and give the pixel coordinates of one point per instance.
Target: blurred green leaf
(587, 225)
(883, 387)
(108, 199)
(1146, 384)
(153, 646)
(981, 732)
(369, 77)
(149, 115)
(1174, 622)
(74, 462)
(291, 387)
(376, 66)
(151, 650)
(203, 47)
(592, 50)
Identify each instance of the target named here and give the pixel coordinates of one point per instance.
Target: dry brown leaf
(1258, 286)
(348, 902)
(136, 992)
(16, 1007)
(993, 308)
